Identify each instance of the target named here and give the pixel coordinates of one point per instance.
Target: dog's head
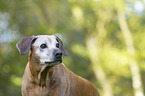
(48, 49)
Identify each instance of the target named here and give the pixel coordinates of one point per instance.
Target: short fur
(54, 79)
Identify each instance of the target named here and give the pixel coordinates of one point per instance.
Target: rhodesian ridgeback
(45, 74)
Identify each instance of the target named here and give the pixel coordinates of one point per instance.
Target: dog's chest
(39, 90)
(44, 85)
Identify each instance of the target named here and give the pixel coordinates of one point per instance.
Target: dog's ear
(61, 47)
(25, 44)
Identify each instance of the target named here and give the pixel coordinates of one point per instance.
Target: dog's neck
(40, 72)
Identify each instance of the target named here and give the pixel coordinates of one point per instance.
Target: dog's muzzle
(57, 58)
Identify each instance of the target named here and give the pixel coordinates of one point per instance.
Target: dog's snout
(58, 54)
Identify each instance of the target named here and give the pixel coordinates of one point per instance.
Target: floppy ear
(24, 45)
(61, 47)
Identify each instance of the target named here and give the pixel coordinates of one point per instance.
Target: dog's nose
(58, 54)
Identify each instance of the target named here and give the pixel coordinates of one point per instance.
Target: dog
(45, 74)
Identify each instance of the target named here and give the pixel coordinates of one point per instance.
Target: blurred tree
(136, 79)
(92, 32)
(135, 71)
(96, 44)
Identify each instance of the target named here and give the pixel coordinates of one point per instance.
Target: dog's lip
(49, 62)
(53, 62)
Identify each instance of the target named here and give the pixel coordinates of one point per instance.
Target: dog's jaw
(53, 63)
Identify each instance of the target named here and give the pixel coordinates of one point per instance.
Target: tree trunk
(136, 79)
(99, 72)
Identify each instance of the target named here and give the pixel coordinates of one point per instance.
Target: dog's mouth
(57, 59)
(55, 62)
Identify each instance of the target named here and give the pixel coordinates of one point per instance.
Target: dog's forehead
(45, 39)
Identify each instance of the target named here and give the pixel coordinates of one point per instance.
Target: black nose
(58, 54)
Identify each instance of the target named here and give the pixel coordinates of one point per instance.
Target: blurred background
(105, 40)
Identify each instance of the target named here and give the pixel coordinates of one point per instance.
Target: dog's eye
(43, 46)
(57, 45)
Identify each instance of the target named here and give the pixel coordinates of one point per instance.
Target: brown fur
(57, 80)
